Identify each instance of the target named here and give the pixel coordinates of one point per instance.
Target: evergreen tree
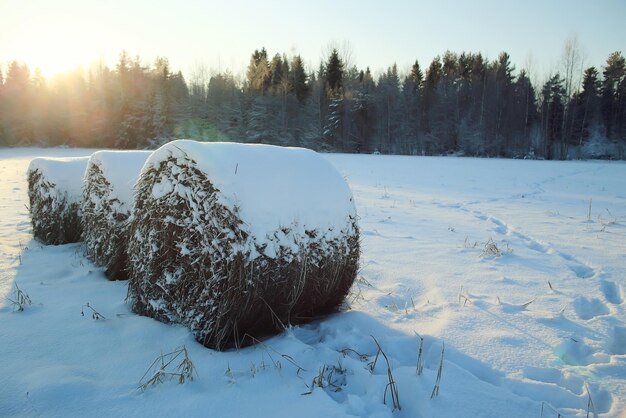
(259, 73)
(431, 115)
(363, 112)
(225, 112)
(613, 97)
(333, 102)
(523, 115)
(552, 113)
(501, 115)
(448, 104)
(276, 74)
(334, 73)
(388, 110)
(412, 106)
(298, 78)
(14, 114)
(40, 107)
(587, 109)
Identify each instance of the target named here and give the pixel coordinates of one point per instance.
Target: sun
(53, 47)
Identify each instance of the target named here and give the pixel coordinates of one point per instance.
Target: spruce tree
(552, 113)
(299, 79)
(613, 100)
(333, 105)
(16, 93)
(586, 115)
(363, 112)
(430, 98)
(259, 72)
(412, 95)
(334, 73)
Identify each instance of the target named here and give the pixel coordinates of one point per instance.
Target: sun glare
(54, 49)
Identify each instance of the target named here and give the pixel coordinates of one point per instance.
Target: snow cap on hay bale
(107, 200)
(55, 194)
(236, 240)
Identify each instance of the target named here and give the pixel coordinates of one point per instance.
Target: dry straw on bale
(203, 255)
(107, 200)
(54, 194)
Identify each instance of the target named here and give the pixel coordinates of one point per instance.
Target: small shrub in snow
(328, 377)
(173, 365)
(491, 249)
(238, 240)
(94, 314)
(107, 201)
(20, 299)
(54, 194)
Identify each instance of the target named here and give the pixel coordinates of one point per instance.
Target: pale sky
(64, 34)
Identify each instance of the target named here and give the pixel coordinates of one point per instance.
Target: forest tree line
(460, 103)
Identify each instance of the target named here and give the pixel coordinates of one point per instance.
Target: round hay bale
(55, 194)
(107, 201)
(238, 240)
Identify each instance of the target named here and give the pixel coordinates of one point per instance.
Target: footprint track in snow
(579, 268)
(618, 343)
(572, 383)
(589, 308)
(612, 292)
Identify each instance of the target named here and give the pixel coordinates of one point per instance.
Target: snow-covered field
(499, 260)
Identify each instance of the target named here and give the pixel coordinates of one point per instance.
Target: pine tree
(431, 116)
(226, 116)
(334, 73)
(412, 107)
(333, 102)
(448, 105)
(276, 74)
(363, 112)
(552, 113)
(259, 72)
(388, 109)
(587, 108)
(523, 115)
(613, 97)
(502, 113)
(14, 114)
(299, 79)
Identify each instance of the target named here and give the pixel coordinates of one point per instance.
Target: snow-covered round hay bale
(236, 240)
(55, 194)
(108, 195)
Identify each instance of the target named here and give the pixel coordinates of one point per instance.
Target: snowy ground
(432, 229)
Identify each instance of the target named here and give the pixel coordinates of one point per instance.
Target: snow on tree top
(272, 187)
(121, 169)
(66, 173)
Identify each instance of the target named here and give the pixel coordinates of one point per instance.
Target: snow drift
(236, 240)
(107, 201)
(55, 193)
